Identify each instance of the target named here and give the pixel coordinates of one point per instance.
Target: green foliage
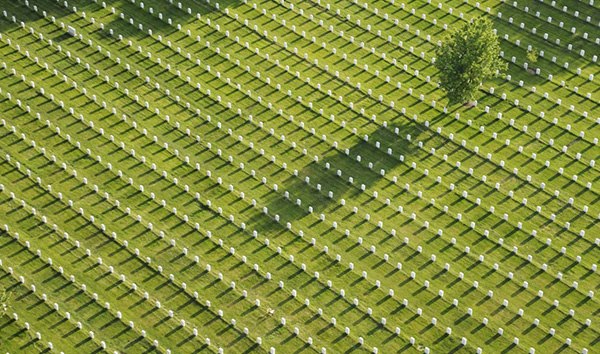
(4, 297)
(532, 55)
(468, 56)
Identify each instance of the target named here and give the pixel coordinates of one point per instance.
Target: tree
(4, 297)
(468, 56)
(532, 55)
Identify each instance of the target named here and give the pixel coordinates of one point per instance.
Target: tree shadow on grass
(187, 14)
(169, 12)
(319, 174)
(542, 26)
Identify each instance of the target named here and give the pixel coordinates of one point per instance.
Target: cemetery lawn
(285, 176)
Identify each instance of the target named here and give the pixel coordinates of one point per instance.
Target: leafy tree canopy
(532, 55)
(466, 58)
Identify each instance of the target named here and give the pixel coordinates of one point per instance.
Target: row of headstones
(553, 4)
(171, 277)
(43, 299)
(515, 171)
(579, 258)
(592, 295)
(554, 59)
(550, 77)
(510, 194)
(562, 250)
(208, 45)
(578, 156)
(104, 228)
(236, 37)
(208, 267)
(86, 183)
(582, 53)
(562, 84)
(137, 252)
(88, 254)
(433, 321)
(522, 25)
(28, 328)
(561, 24)
(578, 73)
(54, 306)
(37, 335)
(217, 73)
(551, 142)
(267, 273)
(582, 134)
(546, 96)
(450, 11)
(176, 180)
(541, 53)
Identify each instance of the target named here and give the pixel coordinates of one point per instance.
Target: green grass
(214, 127)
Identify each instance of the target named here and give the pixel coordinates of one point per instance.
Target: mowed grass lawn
(165, 190)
